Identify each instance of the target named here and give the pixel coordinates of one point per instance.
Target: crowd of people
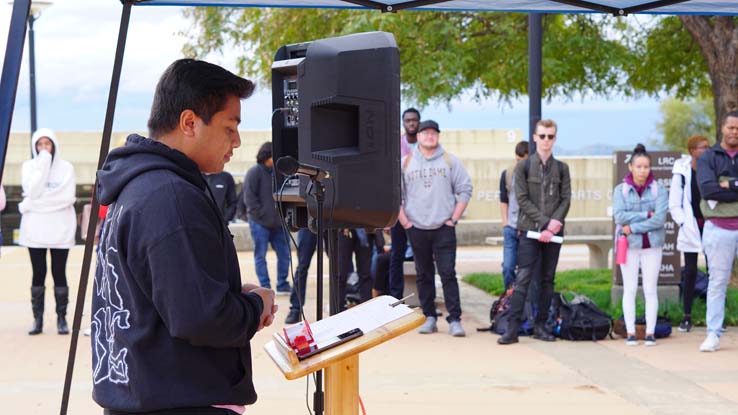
(168, 286)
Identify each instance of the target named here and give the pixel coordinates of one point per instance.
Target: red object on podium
(300, 338)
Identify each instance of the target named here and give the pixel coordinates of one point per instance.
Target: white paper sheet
(367, 316)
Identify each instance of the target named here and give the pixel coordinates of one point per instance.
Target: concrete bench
(599, 246)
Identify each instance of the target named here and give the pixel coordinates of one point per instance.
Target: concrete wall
(485, 153)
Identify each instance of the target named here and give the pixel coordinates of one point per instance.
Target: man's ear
(187, 121)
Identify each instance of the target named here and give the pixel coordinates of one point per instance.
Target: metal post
(32, 73)
(11, 71)
(104, 147)
(535, 74)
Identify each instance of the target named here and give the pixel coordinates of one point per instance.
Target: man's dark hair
(730, 114)
(196, 85)
(521, 149)
(411, 109)
(265, 152)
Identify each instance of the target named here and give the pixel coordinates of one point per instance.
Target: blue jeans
(397, 258)
(509, 255)
(306, 244)
(263, 236)
(721, 246)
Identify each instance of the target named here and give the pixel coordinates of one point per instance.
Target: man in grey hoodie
(435, 190)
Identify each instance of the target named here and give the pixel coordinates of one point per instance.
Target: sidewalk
(413, 374)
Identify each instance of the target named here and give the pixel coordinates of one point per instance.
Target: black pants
(381, 273)
(397, 259)
(536, 260)
(348, 246)
(690, 277)
(439, 245)
(58, 266)
(205, 410)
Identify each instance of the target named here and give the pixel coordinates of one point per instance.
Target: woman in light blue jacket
(639, 207)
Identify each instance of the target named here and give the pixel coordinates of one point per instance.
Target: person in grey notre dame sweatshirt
(435, 190)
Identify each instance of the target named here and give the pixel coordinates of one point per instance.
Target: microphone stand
(318, 398)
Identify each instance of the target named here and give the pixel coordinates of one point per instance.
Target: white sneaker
(429, 326)
(455, 329)
(711, 343)
(87, 331)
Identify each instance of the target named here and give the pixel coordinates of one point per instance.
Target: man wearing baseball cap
(435, 190)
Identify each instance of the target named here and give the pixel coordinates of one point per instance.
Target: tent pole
(11, 72)
(535, 74)
(90, 241)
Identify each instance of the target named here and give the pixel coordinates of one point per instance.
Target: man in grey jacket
(543, 190)
(435, 190)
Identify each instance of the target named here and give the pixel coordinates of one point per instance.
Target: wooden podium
(378, 320)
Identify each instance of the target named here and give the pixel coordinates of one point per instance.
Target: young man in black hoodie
(171, 322)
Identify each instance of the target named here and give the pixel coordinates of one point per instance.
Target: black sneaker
(685, 325)
(293, 317)
(650, 340)
(632, 340)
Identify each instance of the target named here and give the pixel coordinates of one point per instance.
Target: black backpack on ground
(700, 284)
(499, 316)
(581, 319)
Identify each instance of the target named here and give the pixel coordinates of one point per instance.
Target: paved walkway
(413, 374)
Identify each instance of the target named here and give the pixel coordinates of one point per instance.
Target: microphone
(288, 166)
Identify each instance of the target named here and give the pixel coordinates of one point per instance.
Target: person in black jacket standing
(171, 321)
(543, 191)
(264, 221)
(224, 192)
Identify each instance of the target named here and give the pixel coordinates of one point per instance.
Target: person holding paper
(435, 192)
(543, 191)
(639, 207)
(717, 176)
(171, 321)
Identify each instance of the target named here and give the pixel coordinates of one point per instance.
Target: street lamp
(37, 6)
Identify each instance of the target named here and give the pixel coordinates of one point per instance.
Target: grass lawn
(596, 283)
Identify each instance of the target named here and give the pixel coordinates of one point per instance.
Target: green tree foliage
(442, 53)
(683, 119)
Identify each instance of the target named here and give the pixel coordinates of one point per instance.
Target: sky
(75, 48)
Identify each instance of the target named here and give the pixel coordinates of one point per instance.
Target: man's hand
(554, 226)
(626, 230)
(407, 225)
(449, 223)
(725, 185)
(267, 314)
(546, 236)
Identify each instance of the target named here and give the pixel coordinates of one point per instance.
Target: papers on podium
(367, 317)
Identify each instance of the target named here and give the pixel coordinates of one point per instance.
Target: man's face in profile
(216, 140)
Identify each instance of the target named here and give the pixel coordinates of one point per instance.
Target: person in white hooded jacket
(684, 206)
(48, 222)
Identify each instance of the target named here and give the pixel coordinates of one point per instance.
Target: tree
(689, 56)
(446, 53)
(442, 54)
(683, 119)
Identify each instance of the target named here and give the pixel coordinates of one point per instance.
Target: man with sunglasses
(543, 191)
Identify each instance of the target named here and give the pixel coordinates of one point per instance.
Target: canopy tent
(616, 7)
(21, 10)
